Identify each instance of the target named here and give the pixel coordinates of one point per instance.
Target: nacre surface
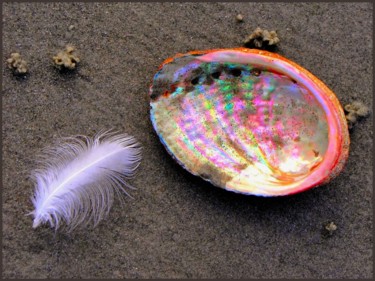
(249, 121)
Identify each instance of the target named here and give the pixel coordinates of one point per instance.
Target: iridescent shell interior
(249, 121)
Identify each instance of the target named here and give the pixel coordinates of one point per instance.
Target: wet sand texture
(178, 225)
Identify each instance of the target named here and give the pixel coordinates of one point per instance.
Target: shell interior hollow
(249, 121)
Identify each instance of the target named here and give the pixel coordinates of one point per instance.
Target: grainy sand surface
(178, 225)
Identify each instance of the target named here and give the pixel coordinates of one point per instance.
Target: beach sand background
(177, 225)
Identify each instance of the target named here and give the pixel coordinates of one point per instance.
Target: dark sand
(179, 225)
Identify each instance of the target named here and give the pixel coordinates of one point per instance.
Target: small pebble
(239, 18)
(17, 64)
(261, 39)
(66, 59)
(328, 229)
(355, 111)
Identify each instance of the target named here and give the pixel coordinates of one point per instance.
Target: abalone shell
(249, 121)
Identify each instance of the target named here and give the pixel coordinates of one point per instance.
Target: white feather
(80, 176)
